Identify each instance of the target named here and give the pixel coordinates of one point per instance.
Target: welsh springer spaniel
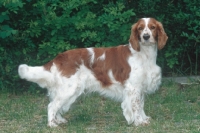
(124, 73)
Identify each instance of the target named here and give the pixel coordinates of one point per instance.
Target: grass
(172, 109)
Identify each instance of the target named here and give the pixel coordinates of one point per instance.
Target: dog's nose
(146, 36)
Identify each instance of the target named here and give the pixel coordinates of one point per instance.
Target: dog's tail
(36, 74)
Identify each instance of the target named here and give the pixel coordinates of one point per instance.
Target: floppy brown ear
(162, 36)
(134, 38)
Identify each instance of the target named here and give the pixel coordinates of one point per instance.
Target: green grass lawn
(172, 109)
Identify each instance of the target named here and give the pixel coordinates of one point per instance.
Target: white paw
(146, 122)
(52, 124)
(142, 122)
(148, 119)
(61, 120)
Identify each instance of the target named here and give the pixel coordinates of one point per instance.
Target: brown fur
(115, 60)
(134, 38)
(115, 57)
(162, 36)
(158, 32)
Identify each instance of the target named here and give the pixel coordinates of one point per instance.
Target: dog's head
(147, 31)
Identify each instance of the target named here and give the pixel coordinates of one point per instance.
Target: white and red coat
(124, 73)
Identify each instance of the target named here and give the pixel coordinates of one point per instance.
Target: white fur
(91, 53)
(64, 91)
(102, 57)
(145, 77)
(147, 31)
(36, 74)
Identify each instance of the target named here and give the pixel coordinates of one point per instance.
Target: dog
(124, 73)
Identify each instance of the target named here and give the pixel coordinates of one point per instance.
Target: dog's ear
(162, 36)
(134, 39)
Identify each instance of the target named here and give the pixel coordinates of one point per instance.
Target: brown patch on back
(99, 67)
(48, 65)
(69, 61)
(115, 60)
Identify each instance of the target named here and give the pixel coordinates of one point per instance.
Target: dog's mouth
(148, 42)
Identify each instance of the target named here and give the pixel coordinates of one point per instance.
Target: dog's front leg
(52, 111)
(133, 106)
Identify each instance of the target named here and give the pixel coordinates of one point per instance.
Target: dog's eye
(140, 28)
(153, 27)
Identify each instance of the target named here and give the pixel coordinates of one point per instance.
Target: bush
(40, 30)
(188, 41)
(33, 32)
(181, 22)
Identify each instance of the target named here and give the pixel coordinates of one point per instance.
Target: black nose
(146, 36)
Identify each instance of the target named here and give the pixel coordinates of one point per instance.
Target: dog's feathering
(124, 73)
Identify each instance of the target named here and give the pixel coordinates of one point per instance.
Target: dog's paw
(61, 120)
(143, 122)
(148, 118)
(52, 124)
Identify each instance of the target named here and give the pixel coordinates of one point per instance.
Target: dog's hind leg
(59, 119)
(60, 104)
(53, 108)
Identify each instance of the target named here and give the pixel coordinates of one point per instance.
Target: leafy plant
(189, 40)
(34, 32)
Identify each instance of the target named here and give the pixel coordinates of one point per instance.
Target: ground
(172, 109)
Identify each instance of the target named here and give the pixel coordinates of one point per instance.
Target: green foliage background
(35, 31)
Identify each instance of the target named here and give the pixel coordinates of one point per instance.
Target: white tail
(36, 74)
